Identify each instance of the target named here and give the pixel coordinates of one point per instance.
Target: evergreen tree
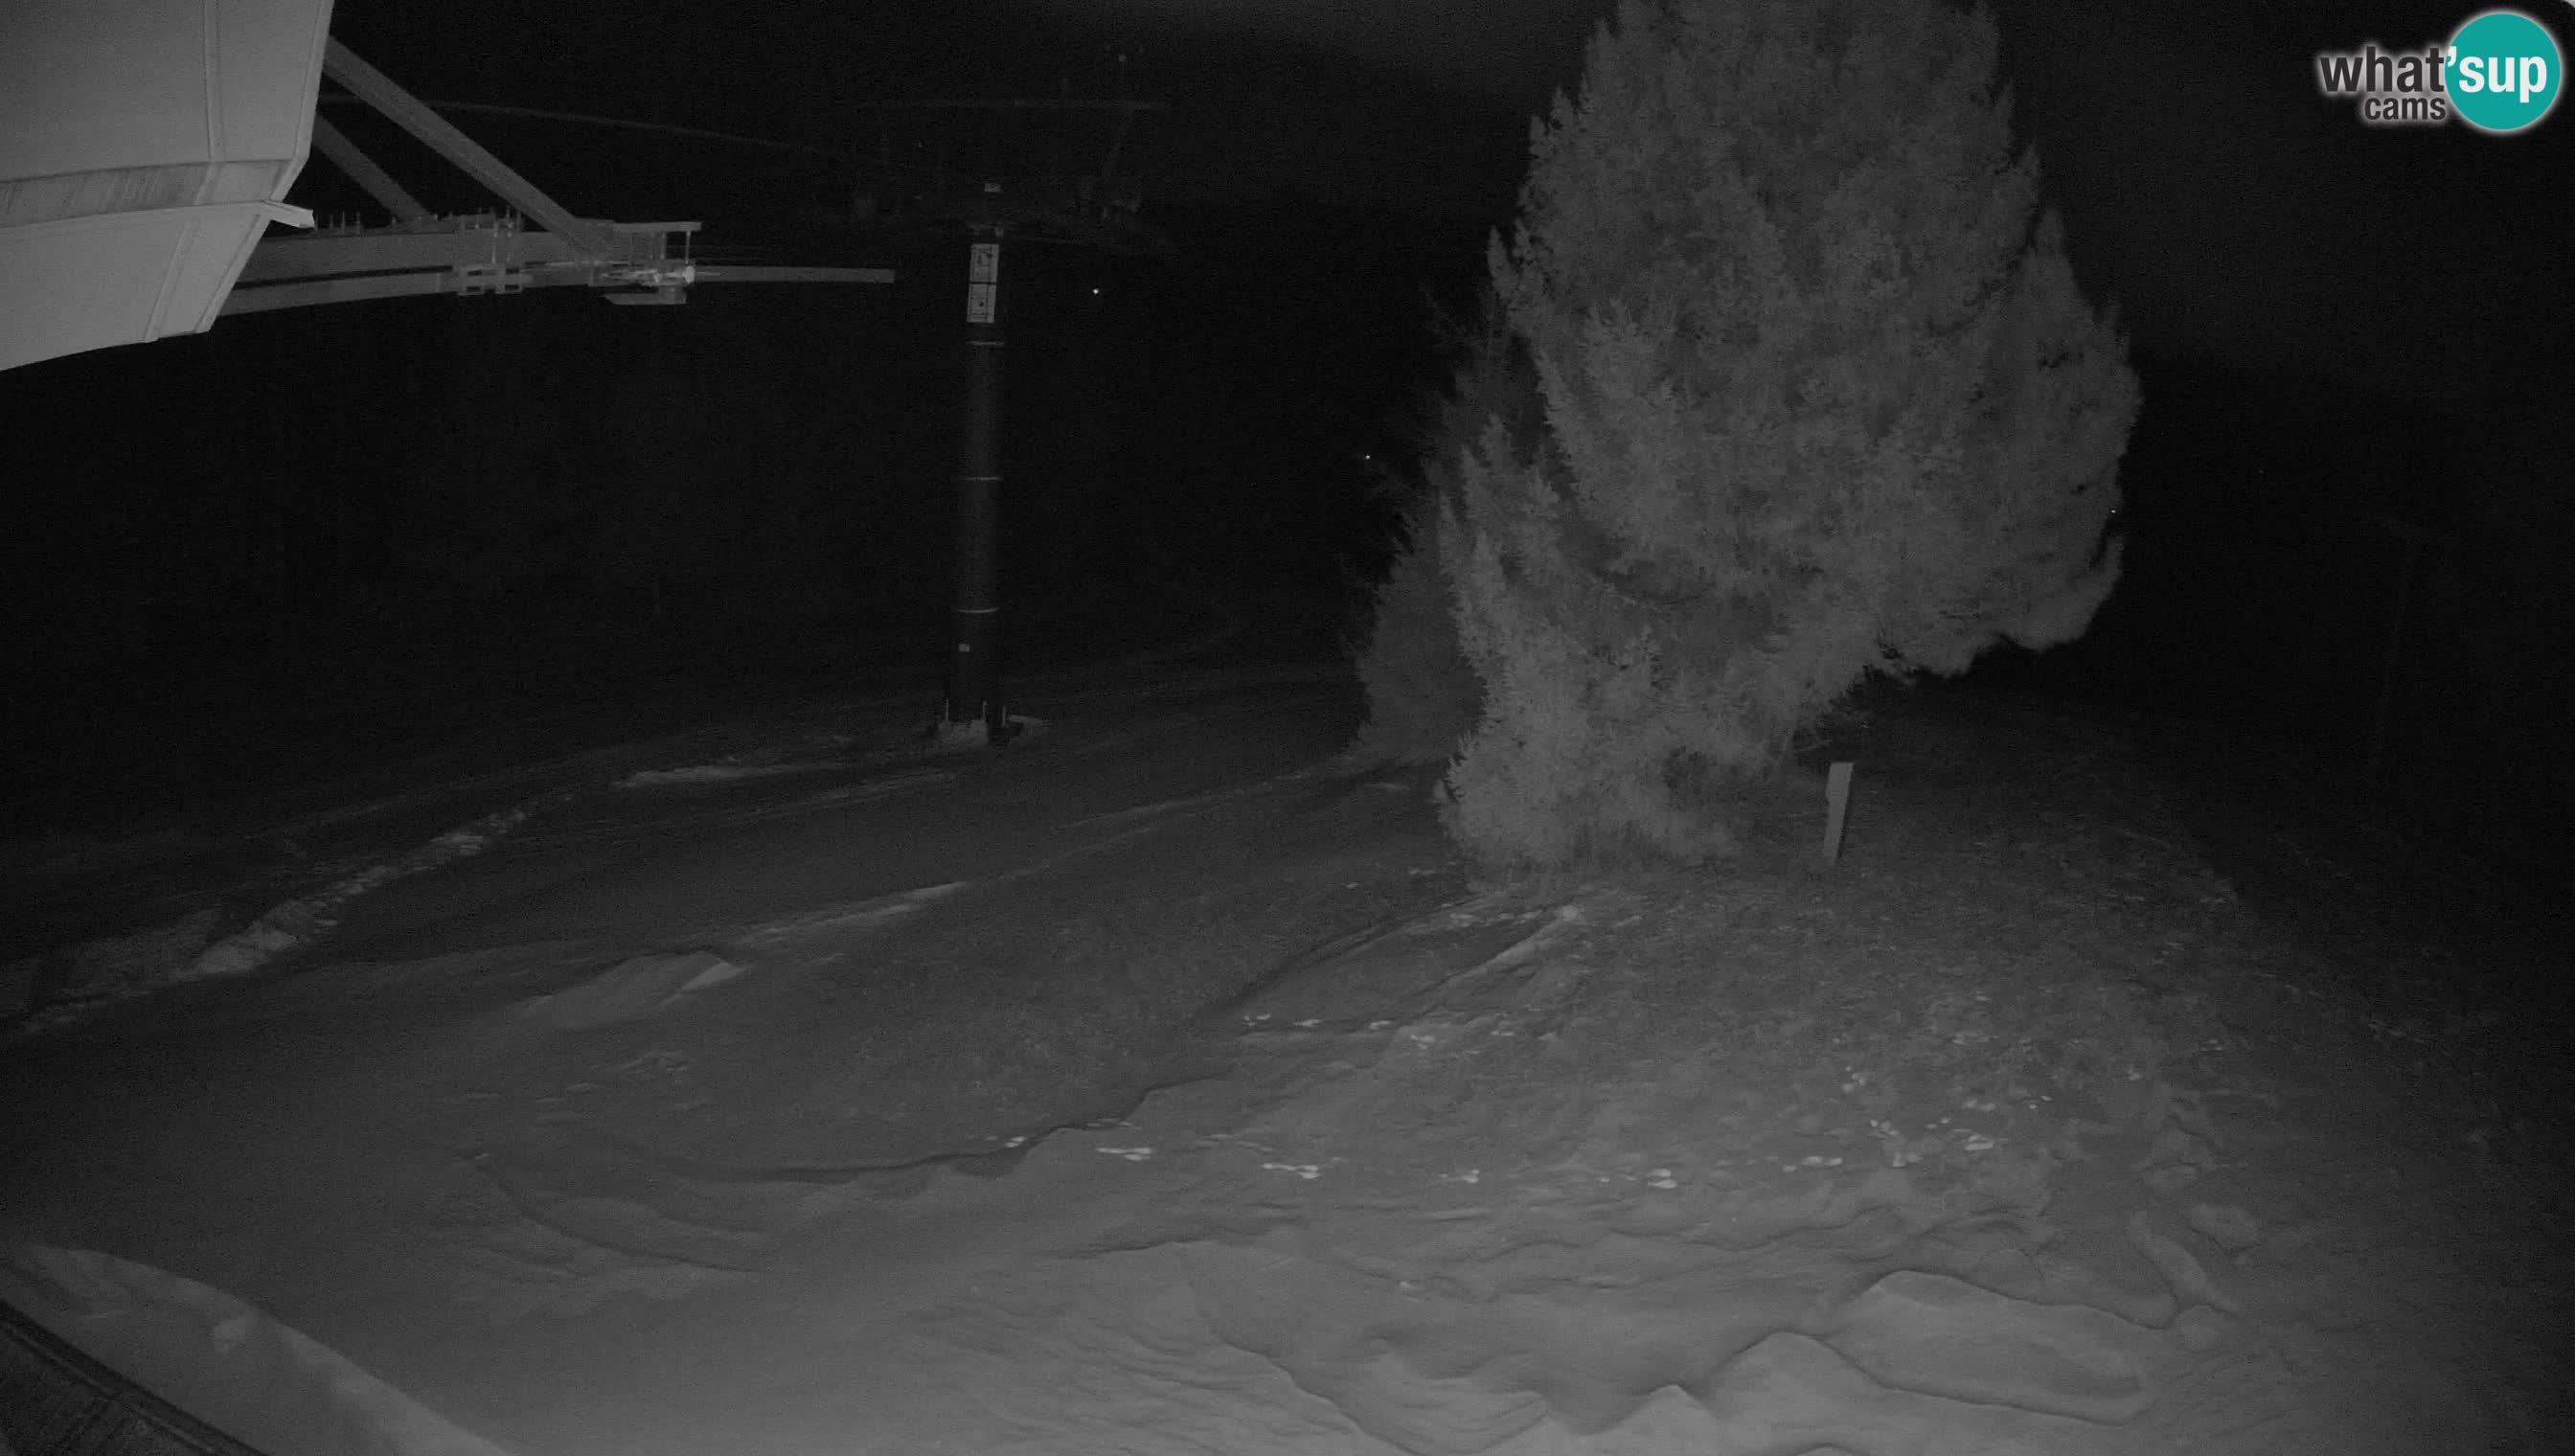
(1819, 397)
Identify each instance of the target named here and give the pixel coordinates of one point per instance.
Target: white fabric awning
(145, 145)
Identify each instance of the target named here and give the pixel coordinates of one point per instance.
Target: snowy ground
(1162, 1086)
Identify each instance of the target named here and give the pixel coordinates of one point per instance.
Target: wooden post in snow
(1836, 810)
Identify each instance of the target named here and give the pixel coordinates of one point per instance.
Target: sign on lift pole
(1097, 212)
(975, 675)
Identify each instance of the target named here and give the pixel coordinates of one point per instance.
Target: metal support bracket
(499, 272)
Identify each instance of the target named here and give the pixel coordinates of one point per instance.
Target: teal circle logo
(2504, 71)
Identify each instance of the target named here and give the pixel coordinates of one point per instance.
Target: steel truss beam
(478, 253)
(441, 136)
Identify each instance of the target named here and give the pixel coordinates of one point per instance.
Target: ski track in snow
(154, 960)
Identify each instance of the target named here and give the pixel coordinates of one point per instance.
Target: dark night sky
(2230, 210)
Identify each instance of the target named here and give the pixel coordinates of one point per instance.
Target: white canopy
(144, 147)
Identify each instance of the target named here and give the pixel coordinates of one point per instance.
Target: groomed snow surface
(1163, 1083)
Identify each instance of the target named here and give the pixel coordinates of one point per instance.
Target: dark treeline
(2377, 585)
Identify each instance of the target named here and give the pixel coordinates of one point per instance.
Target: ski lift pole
(975, 679)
